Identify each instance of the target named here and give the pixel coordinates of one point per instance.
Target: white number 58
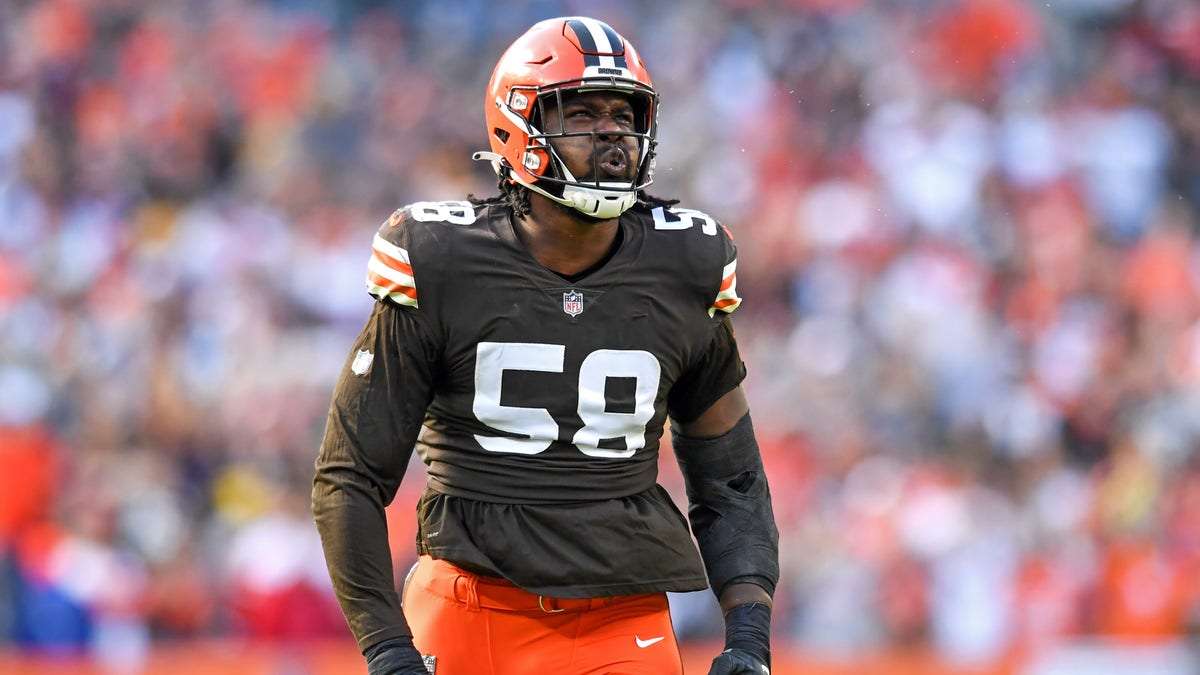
(536, 426)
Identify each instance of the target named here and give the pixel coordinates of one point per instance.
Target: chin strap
(602, 204)
(609, 200)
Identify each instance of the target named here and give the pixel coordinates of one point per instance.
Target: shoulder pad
(390, 270)
(715, 244)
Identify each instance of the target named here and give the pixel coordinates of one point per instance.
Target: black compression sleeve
(730, 507)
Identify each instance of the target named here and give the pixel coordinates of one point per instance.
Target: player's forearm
(730, 509)
(353, 528)
(374, 417)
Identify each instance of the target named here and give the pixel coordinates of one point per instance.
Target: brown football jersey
(538, 403)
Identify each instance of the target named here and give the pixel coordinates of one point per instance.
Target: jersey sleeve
(719, 371)
(705, 263)
(727, 298)
(374, 418)
(389, 270)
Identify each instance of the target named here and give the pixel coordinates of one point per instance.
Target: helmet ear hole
(500, 134)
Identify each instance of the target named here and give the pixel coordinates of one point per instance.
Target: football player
(531, 348)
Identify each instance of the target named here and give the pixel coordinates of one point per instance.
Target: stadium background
(972, 318)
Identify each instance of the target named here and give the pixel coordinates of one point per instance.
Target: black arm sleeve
(730, 507)
(377, 409)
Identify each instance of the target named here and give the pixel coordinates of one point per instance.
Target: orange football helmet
(553, 57)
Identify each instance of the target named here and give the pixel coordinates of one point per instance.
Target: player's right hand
(738, 662)
(395, 657)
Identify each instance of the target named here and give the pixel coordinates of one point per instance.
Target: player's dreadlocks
(513, 194)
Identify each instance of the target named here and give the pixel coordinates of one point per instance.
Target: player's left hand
(738, 662)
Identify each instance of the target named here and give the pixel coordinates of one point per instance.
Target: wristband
(748, 628)
(396, 656)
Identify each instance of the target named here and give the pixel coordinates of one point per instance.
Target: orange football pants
(477, 625)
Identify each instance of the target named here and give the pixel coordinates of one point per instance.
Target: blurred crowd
(971, 271)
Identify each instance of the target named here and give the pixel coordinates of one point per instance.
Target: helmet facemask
(593, 194)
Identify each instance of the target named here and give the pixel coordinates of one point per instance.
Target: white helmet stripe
(601, 44)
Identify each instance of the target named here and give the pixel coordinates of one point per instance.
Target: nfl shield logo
(362, 362)
(573, 303)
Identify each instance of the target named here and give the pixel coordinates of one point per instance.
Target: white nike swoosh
(646, 643)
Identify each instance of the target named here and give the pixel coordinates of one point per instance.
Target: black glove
(738, 662)
(747, 641)
(397, 656)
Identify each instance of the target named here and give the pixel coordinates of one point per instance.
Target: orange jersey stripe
(390, 286)
(394, 263)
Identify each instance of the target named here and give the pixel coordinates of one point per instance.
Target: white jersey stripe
(391, 250)
(390, 273)
(729, 269)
